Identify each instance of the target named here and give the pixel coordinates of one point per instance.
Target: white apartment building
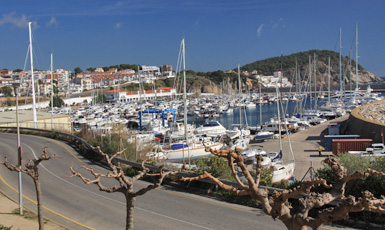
(123, 96)
(147, 69)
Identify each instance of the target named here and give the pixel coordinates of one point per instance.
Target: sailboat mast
(32, 77)
(140, 89)
(340, 63)
(315, 83)
(356, 56)
(52, 91)
(184, 89)
(260, 104)
(296, 83)
(310, 77)
(329, 80)
(279, 121)
(350, 71)
(240, 95)
(228, 86)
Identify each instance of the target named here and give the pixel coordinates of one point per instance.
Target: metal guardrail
(51, 131)
(136, 165)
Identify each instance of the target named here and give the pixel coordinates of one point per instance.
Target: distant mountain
(287, 64)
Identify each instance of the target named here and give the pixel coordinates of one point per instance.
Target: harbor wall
(366, 128)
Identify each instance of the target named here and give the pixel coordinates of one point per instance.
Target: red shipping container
(345, 145)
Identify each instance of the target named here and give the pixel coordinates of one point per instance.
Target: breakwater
(368, 121)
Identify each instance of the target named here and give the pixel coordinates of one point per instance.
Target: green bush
(266, 177)
(110, 143)
(374, 184)
(216, 166)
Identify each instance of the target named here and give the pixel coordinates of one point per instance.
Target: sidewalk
(8, 218)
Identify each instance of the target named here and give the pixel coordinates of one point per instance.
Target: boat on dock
(263, 135)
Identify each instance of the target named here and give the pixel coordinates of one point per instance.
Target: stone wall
(60, 123)
(364, 124)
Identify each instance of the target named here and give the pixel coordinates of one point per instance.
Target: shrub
(216, 166)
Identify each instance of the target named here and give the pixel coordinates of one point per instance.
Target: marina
(192, 115)
(166, 131)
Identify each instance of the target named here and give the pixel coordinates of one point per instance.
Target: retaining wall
(368, 129)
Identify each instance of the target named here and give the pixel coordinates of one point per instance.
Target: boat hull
(282, 172)
(192, 152)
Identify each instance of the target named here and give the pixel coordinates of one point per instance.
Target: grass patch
(28, 215)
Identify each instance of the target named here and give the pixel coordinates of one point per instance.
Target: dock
(305, 148)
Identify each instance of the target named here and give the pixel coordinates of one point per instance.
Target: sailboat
(262, 135)
(189, 146)
(240, 135)
(280, 170)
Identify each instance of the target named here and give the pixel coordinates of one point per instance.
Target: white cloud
(279, 23)
(21, 22)
(118, 25)
(52, 22)
(114, 7)
(259, 30)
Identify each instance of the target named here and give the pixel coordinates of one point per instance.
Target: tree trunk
(39, 203)
(130, 212)
(294, 225)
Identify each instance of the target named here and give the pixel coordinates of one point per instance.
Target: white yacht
(175, 148)
(281, 171)
(211, 129)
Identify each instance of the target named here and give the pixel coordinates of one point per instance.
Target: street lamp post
(19, 150)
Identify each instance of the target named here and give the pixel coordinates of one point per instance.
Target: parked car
(376, 148)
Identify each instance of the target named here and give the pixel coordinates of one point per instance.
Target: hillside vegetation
(268, 66)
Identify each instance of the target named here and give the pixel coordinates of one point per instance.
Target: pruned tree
(125, 183)
(277, 205)
(32, 170)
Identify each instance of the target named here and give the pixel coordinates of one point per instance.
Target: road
(71, 203)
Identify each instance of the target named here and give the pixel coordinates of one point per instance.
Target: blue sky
(219, 34)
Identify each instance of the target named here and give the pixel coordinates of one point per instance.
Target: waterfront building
(123, 96)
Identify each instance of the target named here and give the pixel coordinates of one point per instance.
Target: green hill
(287, 64)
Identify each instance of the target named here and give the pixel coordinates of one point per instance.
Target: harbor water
(251, 116)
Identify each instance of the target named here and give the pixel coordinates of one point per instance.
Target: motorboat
(263, 135)
(176, 149)
(282, 171)
(249, 155)
(211, 129)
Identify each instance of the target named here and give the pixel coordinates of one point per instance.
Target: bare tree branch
(125, 183)
(278, 206)
(32, 170)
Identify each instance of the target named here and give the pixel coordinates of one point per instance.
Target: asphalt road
(71, 203)
(88, 208)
